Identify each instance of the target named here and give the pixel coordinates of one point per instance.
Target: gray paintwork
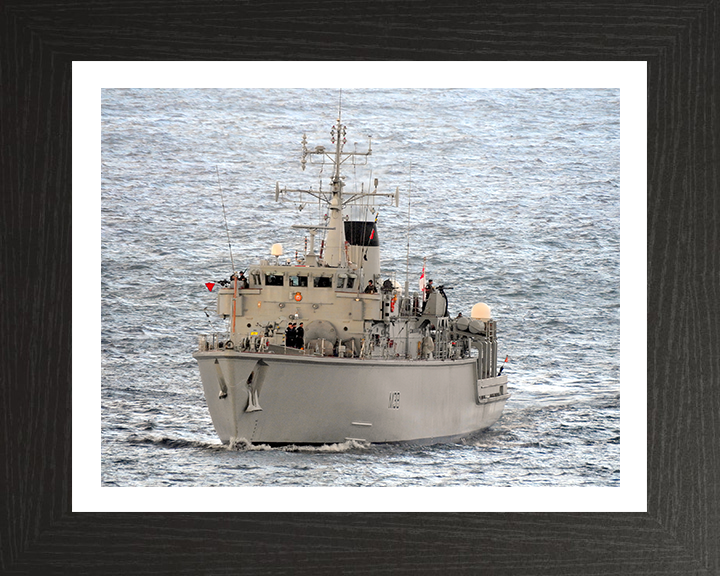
(327, 400)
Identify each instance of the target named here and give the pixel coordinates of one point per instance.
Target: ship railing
(369, 349)
(215, 341)
(411, 306)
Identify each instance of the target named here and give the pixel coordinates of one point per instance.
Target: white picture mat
(89, 78)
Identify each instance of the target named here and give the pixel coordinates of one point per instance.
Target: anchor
(254, 384)
(221, 381)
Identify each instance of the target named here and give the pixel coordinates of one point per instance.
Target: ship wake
(166, 442)
(243, 445)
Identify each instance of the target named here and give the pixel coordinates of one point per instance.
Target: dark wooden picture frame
(680, 533)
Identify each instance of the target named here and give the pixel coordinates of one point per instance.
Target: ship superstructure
(322, 348)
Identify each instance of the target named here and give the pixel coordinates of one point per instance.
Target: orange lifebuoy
(298, 296)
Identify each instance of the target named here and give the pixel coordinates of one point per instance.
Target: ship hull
(282, 399)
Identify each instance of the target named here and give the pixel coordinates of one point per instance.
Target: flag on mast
(372, 233)
(422, 278)
(502, 366)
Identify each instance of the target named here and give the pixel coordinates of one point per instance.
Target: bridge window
(274, 279)
(322, 282)
(298, 281)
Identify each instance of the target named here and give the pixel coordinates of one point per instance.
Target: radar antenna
(334, 198)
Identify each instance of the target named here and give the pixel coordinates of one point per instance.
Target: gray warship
(321, 348)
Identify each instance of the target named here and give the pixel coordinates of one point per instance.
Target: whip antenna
(407, 262)
(222, 200)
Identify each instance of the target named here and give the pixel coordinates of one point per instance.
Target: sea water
(509, 197)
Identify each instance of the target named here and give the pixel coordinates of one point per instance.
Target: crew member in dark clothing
(290, 335)
(300, 337)
(370, 288)
(429, 289)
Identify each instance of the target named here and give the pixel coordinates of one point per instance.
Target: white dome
(481, 311)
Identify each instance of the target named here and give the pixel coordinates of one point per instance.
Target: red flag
(372, 234)
(210, 285)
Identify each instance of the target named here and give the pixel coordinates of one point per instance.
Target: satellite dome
(481, 311)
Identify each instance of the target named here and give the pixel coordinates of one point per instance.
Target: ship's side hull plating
(283, 399)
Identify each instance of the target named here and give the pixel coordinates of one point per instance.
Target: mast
(335, 254)
(335, 242)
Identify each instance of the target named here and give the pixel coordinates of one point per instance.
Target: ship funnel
(481, 311)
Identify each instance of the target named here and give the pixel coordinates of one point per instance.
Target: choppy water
(515, 202)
